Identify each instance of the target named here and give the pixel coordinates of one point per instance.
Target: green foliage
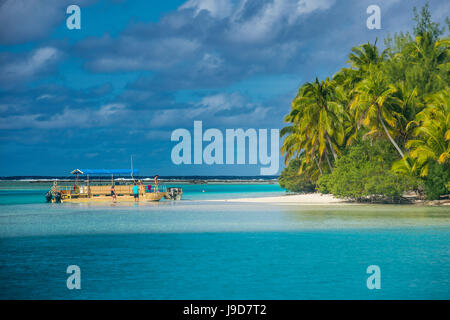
(397, 100)
(363, 173)
(424, 23)
(292, 181)
(437, 181)
(316, 129)
(432, 134)
(325, 183)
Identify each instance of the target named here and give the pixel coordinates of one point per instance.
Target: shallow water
(17, 192)
(195, 249)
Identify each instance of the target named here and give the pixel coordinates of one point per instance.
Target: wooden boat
(89, 191)
(124, 193)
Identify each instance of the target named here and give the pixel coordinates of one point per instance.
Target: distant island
(180, 179)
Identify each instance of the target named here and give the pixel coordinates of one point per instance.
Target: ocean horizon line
(143, 177)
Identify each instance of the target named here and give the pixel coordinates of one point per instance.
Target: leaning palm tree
(375, 106)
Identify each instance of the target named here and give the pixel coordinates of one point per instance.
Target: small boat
(100, 191)
(174, 193)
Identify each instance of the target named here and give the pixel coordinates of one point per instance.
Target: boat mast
(132, 168)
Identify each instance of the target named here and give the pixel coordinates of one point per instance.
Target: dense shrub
(437, 181)
(292, 181)
(363, 173)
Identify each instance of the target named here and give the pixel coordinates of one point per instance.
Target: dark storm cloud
(256, 37)
(29, 20)
(207, 45)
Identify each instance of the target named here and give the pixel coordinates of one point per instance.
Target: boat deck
(153, 196)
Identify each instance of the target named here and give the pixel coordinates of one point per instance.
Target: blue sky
(137, 70)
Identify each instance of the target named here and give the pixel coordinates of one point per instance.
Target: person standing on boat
(136, 192)
(156, 183)
(141, 187)
(113, 193)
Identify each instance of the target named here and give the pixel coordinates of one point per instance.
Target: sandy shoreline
(316, 199)
(308, 198)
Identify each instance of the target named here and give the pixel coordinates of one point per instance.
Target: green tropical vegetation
(379, 127)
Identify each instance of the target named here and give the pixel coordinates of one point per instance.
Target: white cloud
(220, 102)
(271, 18)
(308, 6)
(216, 110)
(158, 135)
(216, 8)
(22, 68)
(45, 97)
(68, 118)
(110, 110)
(210, 62)
(148, 54)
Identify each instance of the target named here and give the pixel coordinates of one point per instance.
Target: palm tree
(362, 59)
(363, 56)
(374, 106)
(343, 97)
(293, 143)
(321, 115)
(408, 105)
(429, 57)
(299, 144)
(433, 134)
(316, 130)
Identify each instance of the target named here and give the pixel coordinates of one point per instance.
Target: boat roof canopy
(105, 171)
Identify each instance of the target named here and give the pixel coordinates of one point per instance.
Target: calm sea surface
(196, 249)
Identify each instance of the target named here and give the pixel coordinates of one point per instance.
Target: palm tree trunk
(389, 136)
(331, 146)
(329, 163)
(318, 165)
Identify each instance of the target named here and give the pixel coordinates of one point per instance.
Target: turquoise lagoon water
(196, 249)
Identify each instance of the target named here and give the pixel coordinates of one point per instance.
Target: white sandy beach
(308, 198)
